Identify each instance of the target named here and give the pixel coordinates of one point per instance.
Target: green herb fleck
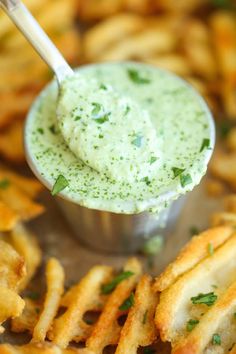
(60, 184)
(214, 286)
(185, 180)
(4, 183)
(177, 171)
(135, 76)
(145, 317)
(77, 118)
(154, 245)
(216, 340)
(40, 131)
(108, 288)
(127, 109)
(152, 160)
(96, 108)
(101, 136)
(207, 299)
(33, 295)
(128, 303)
(137, 141)
(210, 249)
(146, 180)
(149, 350)
(205, 144)
(193, 230)
(52, 129)
(102, 119)
(191, 324)
(103, 87)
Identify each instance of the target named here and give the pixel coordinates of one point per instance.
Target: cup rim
(162, 198)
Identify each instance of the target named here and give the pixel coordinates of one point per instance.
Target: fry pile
(192, 304)
(23, 73)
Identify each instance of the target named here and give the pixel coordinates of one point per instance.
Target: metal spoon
(30, 28)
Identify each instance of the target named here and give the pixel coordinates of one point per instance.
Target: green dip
(129, 138)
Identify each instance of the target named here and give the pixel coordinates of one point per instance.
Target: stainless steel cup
(118, 233)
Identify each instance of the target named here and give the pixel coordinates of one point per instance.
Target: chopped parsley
(4, 183)
(216, 339)
(103, 118)
(135, 76)
(145, 317)
(127, 109)
(40, 131)
(97, 107)
(128, 303)
(210, 249)
(193, 230)
(77, 118)
(60, 184)
(191, 324)
(103, 87)
(177, 171)
(33, 295)
(137, 141)
(146, 180)
(153, 246)
(149, 350)
(185, 179)
(108, 288)
(208, 299)
(205, 144)
(52, 129)
(152, 160)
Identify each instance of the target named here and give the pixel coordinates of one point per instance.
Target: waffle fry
(80, 300)
(12, 267)
(218, 323)
(194, 252)
(28, 318)
(36, 348)
(107, 331)
(139, 328)
(195, 292)
(55, 287)
(8, 217)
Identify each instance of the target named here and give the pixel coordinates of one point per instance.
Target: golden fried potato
(198, 49)
(92, 10)
(194, 251)
(223, 166)
(176, 63)
(11, 142)
(141, 45)
(230, 203)
(139, 328)
(181, 6)
(37, 348)
(19, 202)
(191, 296)
(28, 319)
(55, 288)
(12, 267)
(11, 304)
(216, 327)
(215, 188)
(8, 217)
(223, 218)
(117, 28)
(107, 330)
(27, 246)
(80, 300)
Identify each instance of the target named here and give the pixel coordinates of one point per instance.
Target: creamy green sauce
(151, 142)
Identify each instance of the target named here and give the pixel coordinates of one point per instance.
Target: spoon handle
(30, 28)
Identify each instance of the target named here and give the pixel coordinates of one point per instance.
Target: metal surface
(30, 28)
(118, 233)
